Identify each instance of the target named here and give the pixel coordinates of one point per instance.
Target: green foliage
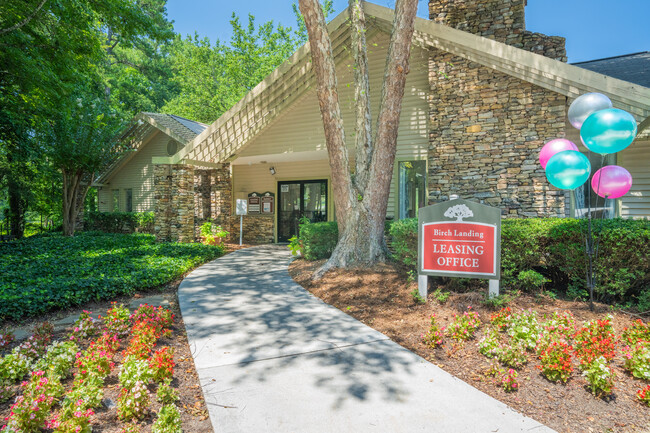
(212, 234)
(119, 222)
(43, 273)
(319, 239)
(557, 247)
(531, 280)
(498, 301)
(404, 235)
(168, 421)
(440, 296)
(417, 298)
(295, 245)
(166, 394)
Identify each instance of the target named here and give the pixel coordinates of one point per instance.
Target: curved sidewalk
(273, 358)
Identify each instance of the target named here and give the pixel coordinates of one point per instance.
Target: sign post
(241, 211)
(459, 238)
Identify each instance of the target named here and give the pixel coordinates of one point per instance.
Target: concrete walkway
(273, 358)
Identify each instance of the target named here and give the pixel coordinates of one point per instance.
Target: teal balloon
(608, 131)
(568, 169)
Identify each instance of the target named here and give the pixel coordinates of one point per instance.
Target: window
(172, 147)
(116, 200)
(411, 188)
(128, 200)
(585, 197)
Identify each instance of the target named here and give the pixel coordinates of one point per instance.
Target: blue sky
(593, 28)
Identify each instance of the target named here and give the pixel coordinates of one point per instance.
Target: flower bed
(90, 353)
(559, 345)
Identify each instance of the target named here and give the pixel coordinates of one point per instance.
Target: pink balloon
(553, 147)
(611, 181)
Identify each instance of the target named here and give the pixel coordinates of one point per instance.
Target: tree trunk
(74, 195)
(17, 208)
(361, 203)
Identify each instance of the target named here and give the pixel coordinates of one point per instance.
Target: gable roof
(226, 137)
(143, 126)
(634, 67)
(184, 129)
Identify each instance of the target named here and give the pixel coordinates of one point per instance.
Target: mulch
(380, 297)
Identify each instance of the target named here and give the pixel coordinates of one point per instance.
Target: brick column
(174, 196)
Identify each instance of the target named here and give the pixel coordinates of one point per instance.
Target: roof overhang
(227, 136)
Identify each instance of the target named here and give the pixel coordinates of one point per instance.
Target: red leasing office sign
(459, 248)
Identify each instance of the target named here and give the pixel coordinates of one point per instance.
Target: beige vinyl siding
(636, 159)
(136, 174)
(300, 129)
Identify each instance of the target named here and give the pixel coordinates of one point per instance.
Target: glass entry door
(298, 199)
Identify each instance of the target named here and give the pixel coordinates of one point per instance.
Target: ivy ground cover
(44, 273)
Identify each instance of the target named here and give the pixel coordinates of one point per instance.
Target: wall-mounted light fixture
(272, 170)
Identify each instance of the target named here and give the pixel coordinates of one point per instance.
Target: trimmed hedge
(50, 271)
(318, 239)
(555, 247)
(119, 222)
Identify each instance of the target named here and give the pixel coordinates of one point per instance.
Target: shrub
(556, 247)
(489, 344)
(524, 329)
(168, 421)
(509, 381)
(637, 360)
(30, 410)
(644, 395)
(212, 234)
(166, 394)
(133, 403)
(433, 337)
(463, 327)
(531, 280)
(595, 340)
(556, 362)
(319, 239)
(600, 377)
(404, 241)
(162, 364)
(134, 370)
(120, 222)
(513, 355)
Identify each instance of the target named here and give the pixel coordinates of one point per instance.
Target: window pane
(129, 200)
(412, 188)
(116, 200)
(585, 198)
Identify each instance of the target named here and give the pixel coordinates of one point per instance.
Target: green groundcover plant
(44, 273)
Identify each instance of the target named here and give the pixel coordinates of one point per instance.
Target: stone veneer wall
(500, 20)
(258, 229)
(486, 127)
(174, 196)
(221, 198)
(202, 205)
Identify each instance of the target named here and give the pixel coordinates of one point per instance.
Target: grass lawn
(44, 273)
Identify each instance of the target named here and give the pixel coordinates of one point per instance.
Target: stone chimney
(500, 20)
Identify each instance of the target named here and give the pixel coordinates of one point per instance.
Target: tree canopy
(124, 55)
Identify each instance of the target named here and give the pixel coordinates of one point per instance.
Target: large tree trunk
(74, 194)
(361, 202)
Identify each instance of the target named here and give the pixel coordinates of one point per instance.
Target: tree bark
(360, 204)
(74, 194)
